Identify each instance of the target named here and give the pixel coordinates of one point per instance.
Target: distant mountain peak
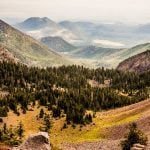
(38, 19)
(35, 23)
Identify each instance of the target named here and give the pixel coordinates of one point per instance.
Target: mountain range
(42, 27)
(106, 57)
(82, 33)
(26, 49)
(47, 51)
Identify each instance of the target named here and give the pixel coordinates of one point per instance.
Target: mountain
(81, 29)
(27, 49)
(92, 52)
(35, 23)
(107, 57)
(42, 27)
(126, 53)
(58, 44)
(114, 32)
(139, 63)
(82, 33)
(127, 35)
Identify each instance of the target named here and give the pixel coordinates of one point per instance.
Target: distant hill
(27, 49)
(93, 52)
(58, 44)
(107, 57)
(82, 33)
(138, 63)
(42, 27)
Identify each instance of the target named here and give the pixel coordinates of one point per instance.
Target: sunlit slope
(100, 129)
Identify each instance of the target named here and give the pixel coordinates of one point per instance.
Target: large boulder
(38, 141)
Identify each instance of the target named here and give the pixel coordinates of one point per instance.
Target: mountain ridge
(138, 63)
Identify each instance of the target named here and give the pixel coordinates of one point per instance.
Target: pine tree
(20, 130)
(134, 136)
(41, 113)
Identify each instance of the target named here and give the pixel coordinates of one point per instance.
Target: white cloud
(108, 43)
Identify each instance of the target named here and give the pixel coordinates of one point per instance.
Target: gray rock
(38, 141)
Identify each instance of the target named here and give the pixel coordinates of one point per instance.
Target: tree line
(65, 90)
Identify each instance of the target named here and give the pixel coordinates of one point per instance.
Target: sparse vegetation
(11, 135)
(134, 136)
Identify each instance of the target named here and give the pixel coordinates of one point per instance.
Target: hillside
(138, 63)
(58, 44)
(27, 49)
(5, 55)
(106, 131)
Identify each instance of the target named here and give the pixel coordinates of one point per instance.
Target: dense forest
(66, 90)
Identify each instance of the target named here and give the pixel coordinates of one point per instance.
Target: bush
(1, 120)
(64, 126)
(134, 136)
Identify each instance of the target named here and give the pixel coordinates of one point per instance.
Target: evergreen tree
(20, 130)
(41, 113)
(134, 136)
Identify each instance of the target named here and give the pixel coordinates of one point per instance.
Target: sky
(133, 11)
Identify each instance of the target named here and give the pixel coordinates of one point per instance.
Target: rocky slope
(138, 63)
(27, 49)
(5, 55)
(38, 141)
(58, 44)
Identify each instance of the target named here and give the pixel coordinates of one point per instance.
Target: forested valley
(66, 91)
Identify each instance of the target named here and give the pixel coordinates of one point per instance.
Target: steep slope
(58, 44)
(138, 63)
(26, 49)
(42, 27)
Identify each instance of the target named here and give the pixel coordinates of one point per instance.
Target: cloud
(108, 43)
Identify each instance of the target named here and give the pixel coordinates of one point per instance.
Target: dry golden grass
(93, 132)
